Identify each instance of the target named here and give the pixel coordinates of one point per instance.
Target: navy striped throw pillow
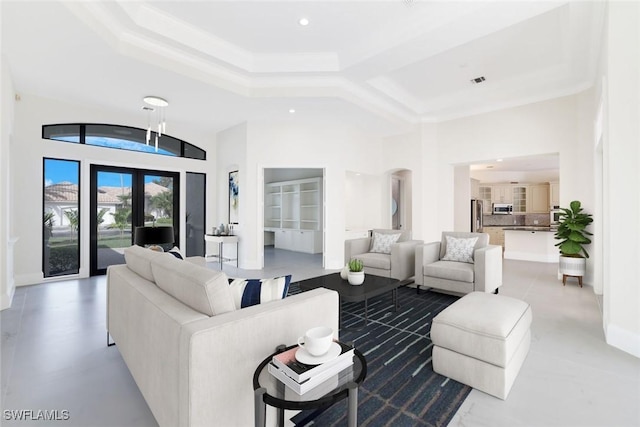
(248, 292)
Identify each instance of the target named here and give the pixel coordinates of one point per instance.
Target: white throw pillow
(460, 250)
(381, 242)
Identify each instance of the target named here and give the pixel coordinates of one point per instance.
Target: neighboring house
(63, 196)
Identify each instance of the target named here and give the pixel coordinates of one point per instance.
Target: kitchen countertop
(530, 228)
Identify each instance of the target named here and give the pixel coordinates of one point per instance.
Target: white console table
(221, 240)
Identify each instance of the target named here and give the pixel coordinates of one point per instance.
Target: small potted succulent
(356, 272)
(572, 234)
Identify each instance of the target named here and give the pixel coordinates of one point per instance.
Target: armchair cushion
(460, 249)
(381, 242)
(373, 260)
(450, 270)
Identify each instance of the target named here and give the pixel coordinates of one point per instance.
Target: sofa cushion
(374, 260)
(138, 259)
(248, 292)
(450, 270)
(204, 290)
(381, 242)
(460, 249)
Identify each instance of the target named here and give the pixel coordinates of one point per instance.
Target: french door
(125, 198)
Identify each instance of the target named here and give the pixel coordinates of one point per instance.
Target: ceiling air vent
(478, 80)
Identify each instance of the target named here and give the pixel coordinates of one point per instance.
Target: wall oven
(502, 208)
(554, 216)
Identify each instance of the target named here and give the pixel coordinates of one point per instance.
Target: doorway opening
(294, 205)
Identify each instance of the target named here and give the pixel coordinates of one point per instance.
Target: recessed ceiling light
(498, 160)
(292, 110)
(303, 21)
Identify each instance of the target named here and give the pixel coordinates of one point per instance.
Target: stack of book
(302, 378)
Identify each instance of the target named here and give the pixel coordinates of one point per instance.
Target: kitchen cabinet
(554, 194)
(484, 194)
(475, 188)
(519, 198)
(496, 235)
(538, 198)
(501, 194)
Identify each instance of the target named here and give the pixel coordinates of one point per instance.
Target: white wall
(403, 155)
(28, 150)
(622, 177)
(363, 200)
(7, 287)
(231, 153)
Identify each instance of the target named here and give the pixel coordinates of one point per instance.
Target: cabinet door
(519, 195)
(284, 239)
(554, 194)
(538, 199)
(501, 194)
(484, 194)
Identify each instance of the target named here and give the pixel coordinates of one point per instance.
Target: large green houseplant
(573, 236)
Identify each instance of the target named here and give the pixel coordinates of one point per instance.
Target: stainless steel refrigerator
(476, 215)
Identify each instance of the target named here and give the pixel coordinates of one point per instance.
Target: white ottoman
(482, 340)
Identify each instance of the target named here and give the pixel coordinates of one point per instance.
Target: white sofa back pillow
(204, 290)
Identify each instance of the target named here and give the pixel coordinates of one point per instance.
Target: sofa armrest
(219, 355)
(425, 254)
(353, 247)
(487, 268)
(403, 258)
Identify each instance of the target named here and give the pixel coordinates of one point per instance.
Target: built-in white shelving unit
(293, 212)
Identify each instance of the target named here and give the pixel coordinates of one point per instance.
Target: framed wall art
(234, 191)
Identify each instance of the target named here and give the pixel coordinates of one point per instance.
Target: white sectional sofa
(191, 353)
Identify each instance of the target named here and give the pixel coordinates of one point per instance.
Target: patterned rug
(401, 388)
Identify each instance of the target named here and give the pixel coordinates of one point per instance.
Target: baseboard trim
(7, 299)
(28, 279)
(623, 339)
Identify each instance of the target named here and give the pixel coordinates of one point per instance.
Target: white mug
(317, 341)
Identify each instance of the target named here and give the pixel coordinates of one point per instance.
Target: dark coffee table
(372, 287)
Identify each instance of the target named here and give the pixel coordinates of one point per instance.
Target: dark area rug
(401, 388)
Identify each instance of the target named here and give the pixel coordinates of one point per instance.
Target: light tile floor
(54, 356)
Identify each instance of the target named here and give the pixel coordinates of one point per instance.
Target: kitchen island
(530, 244)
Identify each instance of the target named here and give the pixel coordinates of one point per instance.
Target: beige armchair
(483, 273)
(397, 263)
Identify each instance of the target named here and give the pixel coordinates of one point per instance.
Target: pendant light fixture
(158, 105)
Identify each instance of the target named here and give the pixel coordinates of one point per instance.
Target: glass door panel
(114, 220)
(61, 218)
(195, 215)
(159, 203)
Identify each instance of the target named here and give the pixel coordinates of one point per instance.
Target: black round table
(271, 391)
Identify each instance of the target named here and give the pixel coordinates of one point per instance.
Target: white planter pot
(344, 273)
(572, 266)
(356, 278)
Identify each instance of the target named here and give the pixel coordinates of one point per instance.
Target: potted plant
(356, 272)
(572, 234)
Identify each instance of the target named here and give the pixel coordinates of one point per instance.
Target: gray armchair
(483, 275)
(399, 263)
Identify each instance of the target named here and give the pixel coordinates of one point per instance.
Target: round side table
(271, 391)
